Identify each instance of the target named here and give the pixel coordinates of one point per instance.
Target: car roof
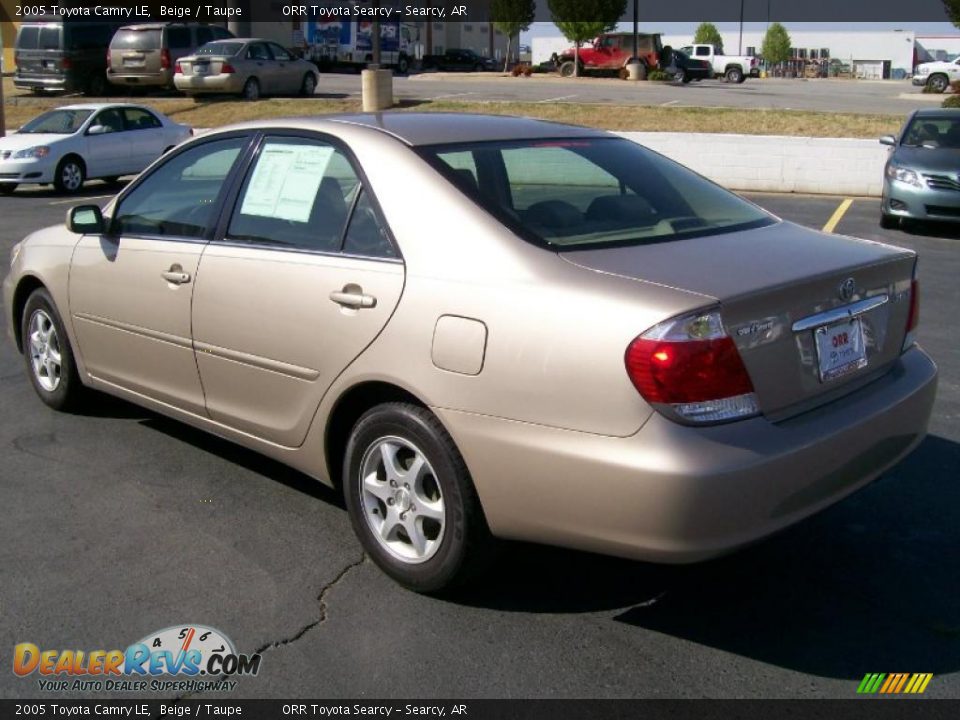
(937, 112)
(419, 129)
(100, 106)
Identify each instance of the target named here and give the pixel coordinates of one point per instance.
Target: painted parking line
(77, 201)
(837, 215)
(557, 99)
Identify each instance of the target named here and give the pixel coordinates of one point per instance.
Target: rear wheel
(251, 90)
(411, 499)
(734, 75)
(70, 175)
(309, 85)
(7, 188)
(47, 353)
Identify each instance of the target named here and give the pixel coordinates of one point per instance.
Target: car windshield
(227, 49)
(592, 192)
(933, 131)
(57, 122)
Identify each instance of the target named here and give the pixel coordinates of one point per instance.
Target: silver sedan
(249, 67)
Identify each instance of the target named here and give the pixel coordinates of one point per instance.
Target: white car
(74, 143)
(938, 75)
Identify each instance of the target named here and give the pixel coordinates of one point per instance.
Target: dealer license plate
(840, 349)
(203, 69)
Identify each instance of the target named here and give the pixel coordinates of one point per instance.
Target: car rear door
(301, 281)
(145, 136)
(131, 289)
(259, 63)
(286, 70)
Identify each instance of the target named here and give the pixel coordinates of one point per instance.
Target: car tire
(70, 175)
(889, 222)
(309, 85)
(567, 69)
(251, 90)
(734, 75)
(685, 79)
(446, 541)
(47, 353)
(681, 77)
(7, 188)
(403, 66)
(938, 83)
(96, 86)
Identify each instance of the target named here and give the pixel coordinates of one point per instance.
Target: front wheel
(938, 83)
(411, 499)
(70, 175)
(47, 353)
(567, 69)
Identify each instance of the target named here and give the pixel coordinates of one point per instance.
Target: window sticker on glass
(285, 181)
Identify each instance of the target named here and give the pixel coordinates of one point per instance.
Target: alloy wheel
(45, 356)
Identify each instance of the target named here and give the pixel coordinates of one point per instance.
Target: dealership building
(871, 54)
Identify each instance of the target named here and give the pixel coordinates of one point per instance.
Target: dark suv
(63, 55)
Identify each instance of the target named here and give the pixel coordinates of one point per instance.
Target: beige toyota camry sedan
(487, 327)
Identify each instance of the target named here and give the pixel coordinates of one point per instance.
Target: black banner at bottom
(859, 709)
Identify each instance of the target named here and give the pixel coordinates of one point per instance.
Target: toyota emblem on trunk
(847, 288)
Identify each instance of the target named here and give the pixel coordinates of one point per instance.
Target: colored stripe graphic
(894, 683)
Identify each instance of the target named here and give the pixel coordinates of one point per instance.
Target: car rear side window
(297, 195)
(29, 37)
(50, 37)
(592, 192)
(179, 198)
(140, 119)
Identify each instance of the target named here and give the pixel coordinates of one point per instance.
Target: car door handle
(353, 297)
(176, 275)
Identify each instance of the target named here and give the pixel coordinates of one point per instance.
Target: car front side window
(180, 197)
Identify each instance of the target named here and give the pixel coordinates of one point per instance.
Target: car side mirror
(85, 220)
(96, 130)
(888, 140)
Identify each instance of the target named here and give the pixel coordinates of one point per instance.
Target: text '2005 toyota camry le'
(487, 327)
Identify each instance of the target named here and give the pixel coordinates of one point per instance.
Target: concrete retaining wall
(775, 163)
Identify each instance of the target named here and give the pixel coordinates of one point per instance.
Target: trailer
(349, 44)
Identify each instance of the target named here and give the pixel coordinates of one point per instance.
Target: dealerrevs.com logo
(184, 658)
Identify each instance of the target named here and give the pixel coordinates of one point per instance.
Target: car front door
(301, 282)
(108, 148)
(131, 289)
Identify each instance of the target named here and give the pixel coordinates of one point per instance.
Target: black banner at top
(837, 11)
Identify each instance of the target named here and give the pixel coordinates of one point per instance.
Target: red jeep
(612, 52)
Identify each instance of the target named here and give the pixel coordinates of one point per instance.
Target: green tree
(512, 17)
(707, 34)
(583, 20)
(776, 45)
(953, 11)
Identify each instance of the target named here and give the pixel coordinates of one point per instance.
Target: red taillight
(693, 366)
(66, 63)
(177, 70)
(227, 68)
(165, 59)
(913, 318)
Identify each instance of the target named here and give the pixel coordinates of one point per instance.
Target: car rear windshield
(227, 49)
(592, 192)
(136, 40)
(39, 37)
(933, 131)
(57, 122)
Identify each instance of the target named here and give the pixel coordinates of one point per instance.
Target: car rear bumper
(160, 79)
(28, 82)
(673, 493)
(229, 83)
(920, 203)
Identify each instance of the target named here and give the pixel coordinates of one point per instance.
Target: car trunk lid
(786, 295)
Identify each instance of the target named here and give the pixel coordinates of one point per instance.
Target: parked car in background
(249, 67)
(145, 55)
(937, 75)
(458, 60)
(63, 55)
(685, 68)
(687, 374)
(611, 52)
(75, 143)
(734, 68)
(922, 175)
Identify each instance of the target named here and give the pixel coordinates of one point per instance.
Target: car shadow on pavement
(870, 585)
(949, 231)
(91, 189)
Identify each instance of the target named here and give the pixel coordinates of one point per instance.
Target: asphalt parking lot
(118, 522)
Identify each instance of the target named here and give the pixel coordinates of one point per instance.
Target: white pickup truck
(735, 68)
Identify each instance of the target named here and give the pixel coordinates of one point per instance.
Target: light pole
(636, 30)
(740, 50)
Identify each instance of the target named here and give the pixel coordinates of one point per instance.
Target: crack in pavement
(321, 618)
